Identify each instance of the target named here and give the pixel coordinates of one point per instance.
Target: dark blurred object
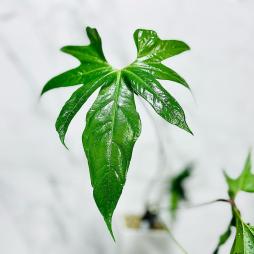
(149, 220)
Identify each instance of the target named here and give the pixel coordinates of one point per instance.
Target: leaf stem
(231, 202)
(176, 242)
(162, 162)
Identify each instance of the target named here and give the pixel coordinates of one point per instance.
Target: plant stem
(162, 161)
(210, 203)
(204, 204)
(176, 242)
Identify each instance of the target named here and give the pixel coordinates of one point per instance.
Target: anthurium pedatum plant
(244, 236)
(113, 123)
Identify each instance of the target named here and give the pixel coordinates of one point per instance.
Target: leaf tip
(43, 91)
(61, 136)
(225, 173)
(187, 46)
(46, 88)
(186, 85)
(63, 142)
(64, 49)
(105, 211)
(190, 131)
(108, 220)
(187, 128)
(93, 34)
(89, 29)
(249, 154)
(109, 226)
(227, 177)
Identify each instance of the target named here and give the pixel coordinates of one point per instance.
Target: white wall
(46, 203)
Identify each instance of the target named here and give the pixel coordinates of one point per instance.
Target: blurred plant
(244, 236)
(244, 232)
(175, 193)
(112, 123)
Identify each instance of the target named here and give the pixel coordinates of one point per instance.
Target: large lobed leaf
(112, 123)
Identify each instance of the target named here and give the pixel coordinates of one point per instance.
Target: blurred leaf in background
(177, 190)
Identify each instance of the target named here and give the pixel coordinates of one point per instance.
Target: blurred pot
(135, 237)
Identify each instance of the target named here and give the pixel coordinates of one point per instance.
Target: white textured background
(46, 203)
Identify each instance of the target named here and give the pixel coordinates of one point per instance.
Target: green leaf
(152, 50)
(244, 239)
(244, 235)
(92, 53)
(160, 71)
(151, 90)
(112, 128)
(112, 123)
(91, 59)
(245, 182)
(143, 73)
(224, 237)
(78, 98)
(68, 78)
(177, 189)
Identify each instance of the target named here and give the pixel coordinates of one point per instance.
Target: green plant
(112, 123)
(244, 232)
(244, 236)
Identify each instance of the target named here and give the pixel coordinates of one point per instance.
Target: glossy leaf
(112, 123)
(78, 98)
(91, 59)
(152, 91)
(244, 239)
(160, 71)
(152, 50)
(245, 182)
(112, 128)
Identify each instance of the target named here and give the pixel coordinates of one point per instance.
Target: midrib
(114, 112)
